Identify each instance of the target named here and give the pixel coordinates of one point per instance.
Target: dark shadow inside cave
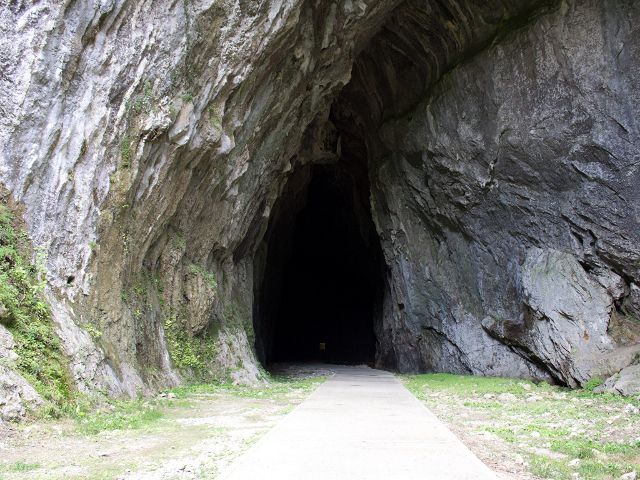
(321, 284)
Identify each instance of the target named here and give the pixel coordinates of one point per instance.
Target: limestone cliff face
(148, 142)
(151, 142)
(512, 191)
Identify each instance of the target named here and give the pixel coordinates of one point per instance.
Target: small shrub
(593, 383)
(208, 277)
(126, 151)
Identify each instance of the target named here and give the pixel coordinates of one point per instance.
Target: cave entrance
(319, 292)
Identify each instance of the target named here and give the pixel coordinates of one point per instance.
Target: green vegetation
(142, 102)
(276, 387)
(19, 467)
(206, 275)
(189, 352)
(559, 432)
(117, 415)
(27, 316)
(92, 331)
(187, 98)
(141, 413)
(593, 383)
(126, 151)
(178, 241)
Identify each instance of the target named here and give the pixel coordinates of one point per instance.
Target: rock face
(16, 395)
(155, 147)
(625, 382)
(519, 153)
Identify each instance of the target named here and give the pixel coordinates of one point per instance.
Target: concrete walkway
(360, 424)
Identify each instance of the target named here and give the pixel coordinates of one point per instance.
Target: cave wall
(149, 143)
(507, 203)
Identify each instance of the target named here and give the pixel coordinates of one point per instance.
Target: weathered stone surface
(150, 143)
(625, 382)
(566, 317)
(530, 144)
(126, 126)
(16, 395)
(7, 345)
(632, 303)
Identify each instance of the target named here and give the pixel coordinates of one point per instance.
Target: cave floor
(360, 424)
(192, 432)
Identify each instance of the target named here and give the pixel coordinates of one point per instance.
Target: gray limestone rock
(16, 395)
(625, 382)
(7, 345)
(566, 317)
(498, 146)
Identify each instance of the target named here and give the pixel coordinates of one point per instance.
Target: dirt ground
(527, 431)
(197, 436)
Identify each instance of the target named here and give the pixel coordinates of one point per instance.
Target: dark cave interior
(319, 272)
(321, 286)
(328, 285)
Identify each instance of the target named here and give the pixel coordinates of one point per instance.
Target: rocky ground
(185, 433)
(526, 431)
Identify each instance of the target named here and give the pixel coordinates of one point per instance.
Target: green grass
(141, 413)
(126, 151)
(278, 386)
(593, 383)
(208, 277)
(467, 384)
(19, 466)
(118, 415)
(191, 353)
(548, 426)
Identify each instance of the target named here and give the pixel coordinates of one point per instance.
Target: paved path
(361, 424)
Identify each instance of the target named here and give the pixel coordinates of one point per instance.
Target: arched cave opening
(319, 275)
(361, 159)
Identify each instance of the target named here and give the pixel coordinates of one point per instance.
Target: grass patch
(126, 151)
(277, 386)
(191, 353)
(593, 383)
(467, 384)
(141, 413)
(548, 426)
(118, 415)
(19, 467)
(208, 277)
(545, 467)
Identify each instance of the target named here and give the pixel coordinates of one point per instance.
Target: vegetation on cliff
(25, 313)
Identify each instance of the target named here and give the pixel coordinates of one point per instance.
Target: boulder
(17, 397)
(7, 345)
(625, 382)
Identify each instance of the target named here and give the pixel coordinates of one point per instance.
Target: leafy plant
(592, 384)
(126, 151)
(40, 359)
(207, 276)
